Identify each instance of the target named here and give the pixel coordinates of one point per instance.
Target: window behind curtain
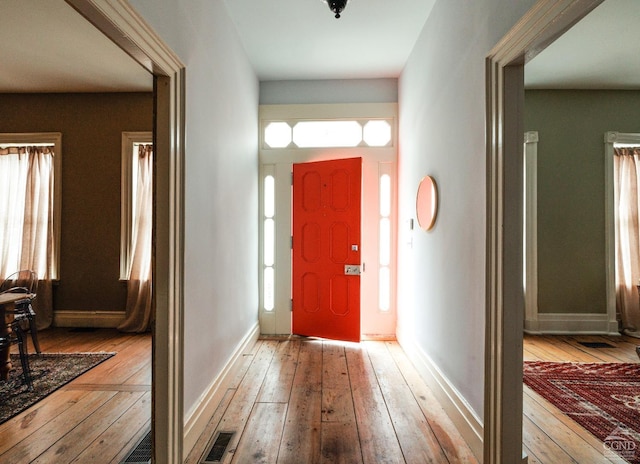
(130, 143)
(30, 203)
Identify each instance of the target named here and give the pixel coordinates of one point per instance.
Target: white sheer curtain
(139, 286)
(627, 194)
(26, 219)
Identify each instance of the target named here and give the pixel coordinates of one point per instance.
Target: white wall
(441, 280)
(221, 197)
(329, 91)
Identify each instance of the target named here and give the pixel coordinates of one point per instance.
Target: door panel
(326, 237)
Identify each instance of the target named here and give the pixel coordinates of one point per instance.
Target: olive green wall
(91, 127)
(571, 250)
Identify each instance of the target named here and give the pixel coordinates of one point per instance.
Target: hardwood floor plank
(260, 439)
(239, 371)
(531, 458)
(385, 421)
(119, 368)
(65, 340)
(23, 425)
(76, 440)
(610, 355)
(142, 377)
(301, 436)
(301, 443)
(374, 377)
(573, 353)
(204, 441)
(108, 446)
(237, 414)
(277, 384)
(242, 368)
(565, 433)
(135, 437)
(543, 446)
(337, 403)
(340, 443)
(96, 405)
(46, 436)
(375, 429)
(106, 387)
(417, 440)
(540, 349)
(454, 446)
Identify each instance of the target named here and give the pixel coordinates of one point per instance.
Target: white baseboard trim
(99, 319)
(196, 421)
(567, 323)
(456, 407)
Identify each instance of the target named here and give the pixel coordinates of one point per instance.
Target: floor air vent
(141, 454)
(596, 345)
(218, 448)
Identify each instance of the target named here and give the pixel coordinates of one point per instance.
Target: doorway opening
(129, 31)
(544, 23)
(296, 134)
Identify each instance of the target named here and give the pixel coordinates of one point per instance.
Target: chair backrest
(25, 281)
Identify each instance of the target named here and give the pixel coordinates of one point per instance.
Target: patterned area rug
(49, 372)
(604, 398)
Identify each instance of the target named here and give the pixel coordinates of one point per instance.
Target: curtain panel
(27, 238)
(627, 234)
(138, 316)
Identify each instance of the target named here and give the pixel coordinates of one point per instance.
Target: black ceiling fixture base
(337, 6)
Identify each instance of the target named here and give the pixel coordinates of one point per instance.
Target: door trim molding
(123, 25)
(530, 229)
(541, 25)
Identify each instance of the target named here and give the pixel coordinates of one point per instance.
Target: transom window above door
(328, 133)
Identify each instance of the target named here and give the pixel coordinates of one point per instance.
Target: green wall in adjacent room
(91, 125)
(571, 235)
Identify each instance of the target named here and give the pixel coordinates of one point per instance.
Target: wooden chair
(25, 281)
(17, 337)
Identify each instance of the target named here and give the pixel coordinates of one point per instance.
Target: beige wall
(91, 127)
(571, 237)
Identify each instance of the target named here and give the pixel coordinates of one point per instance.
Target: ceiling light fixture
(336, 6)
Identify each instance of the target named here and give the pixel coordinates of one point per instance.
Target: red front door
(326, 249)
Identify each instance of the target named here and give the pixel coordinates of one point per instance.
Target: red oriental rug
(604, 398)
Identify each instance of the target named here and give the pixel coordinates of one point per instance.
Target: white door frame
(125, 27)
(278, 163)
(546, 21)
(530, 231)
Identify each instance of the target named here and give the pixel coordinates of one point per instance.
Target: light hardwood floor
(551, 437)
(311, 401)
(293, 401)
(96, 418)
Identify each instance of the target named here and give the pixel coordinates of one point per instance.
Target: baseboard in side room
(197, 420)
(571, 324)
(98, 319)
(456, 407)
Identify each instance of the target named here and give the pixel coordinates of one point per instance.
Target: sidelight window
(269, 243)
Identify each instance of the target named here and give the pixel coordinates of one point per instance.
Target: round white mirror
(427, 203)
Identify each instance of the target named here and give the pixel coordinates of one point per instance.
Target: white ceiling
(602, 51)
(301, 39)
(45, 46)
